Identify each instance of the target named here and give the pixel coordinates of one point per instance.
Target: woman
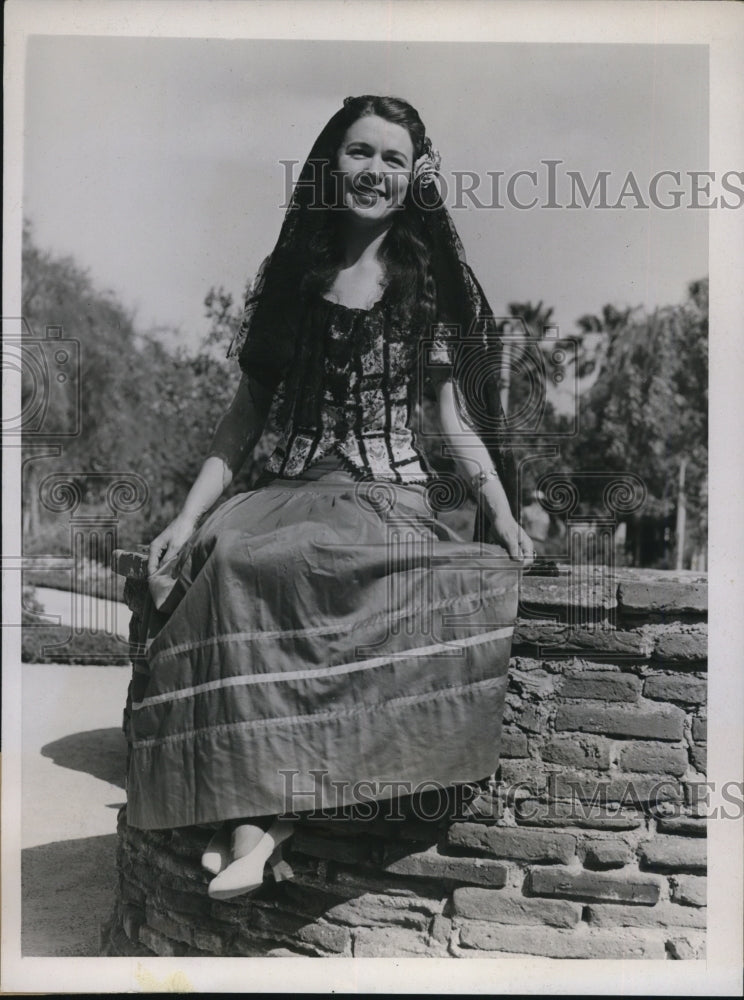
(326, 632)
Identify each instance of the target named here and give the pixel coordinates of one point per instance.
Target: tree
(534, 317)
(104, 366)
(144, 408)
(648, 410)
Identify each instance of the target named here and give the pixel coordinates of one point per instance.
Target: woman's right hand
(170, 541)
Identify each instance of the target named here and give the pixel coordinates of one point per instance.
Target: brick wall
(589, 842)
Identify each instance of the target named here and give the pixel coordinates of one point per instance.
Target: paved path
(84, 611)
(73, 764)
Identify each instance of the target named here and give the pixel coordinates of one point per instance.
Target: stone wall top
(629, 591)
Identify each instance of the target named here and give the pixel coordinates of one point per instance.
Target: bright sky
(156, 162)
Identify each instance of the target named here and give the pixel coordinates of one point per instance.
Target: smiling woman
(328, 622)
(374, 163)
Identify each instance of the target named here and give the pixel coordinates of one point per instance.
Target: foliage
(145, 409)
(90, 578)
(53, 644)
(647, 410)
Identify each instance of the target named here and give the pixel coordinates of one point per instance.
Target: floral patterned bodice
(351, 383)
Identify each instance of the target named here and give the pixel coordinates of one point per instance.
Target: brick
(210, 941)
(387, 826)
(280, 925)
(170, 864)
(583, 752)
(161, 945)
(514, 844)
(441, 929)
(373, 911)
(660, 725)
(248, 945)
(674, 854)
(301, 901)
(432, 864)
(271, 921)
(697, 794)
(700, 730)
(684, 647)
(591, 887)
(421, 831)
(600, 855)
(626, 789)
(583, 815)
(130, 892)
(348, 881)
(524, 776)
(334, 848)
(531, 684)
(188, 843)
(529, 716)
(661, 915)
(687, 946)
(489, 904)
(174, 900)
(636, 597)
(553, 638)
(326, 938)
(680, 687)
(485, 808)
(603, 686)
(689, 890)
(692, 826)
(554, 943)
(526, 779)
(384, 942)
(164, 924)
(513, 743)
(654, 758)
(559, 594)
(699, 757)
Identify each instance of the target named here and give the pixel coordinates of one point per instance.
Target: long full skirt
(326, 642)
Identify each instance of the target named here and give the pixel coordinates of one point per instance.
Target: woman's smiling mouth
(367, 197)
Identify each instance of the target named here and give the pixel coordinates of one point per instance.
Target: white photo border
(720, 25)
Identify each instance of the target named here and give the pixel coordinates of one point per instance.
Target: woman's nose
(377, 166)
(373, 174)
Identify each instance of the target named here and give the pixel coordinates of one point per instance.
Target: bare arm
(471, 457)
(235, 437)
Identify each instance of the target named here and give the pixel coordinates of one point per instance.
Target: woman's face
(374, 164)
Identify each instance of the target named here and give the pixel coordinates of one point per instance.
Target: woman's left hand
(508, 532)
(515, 540)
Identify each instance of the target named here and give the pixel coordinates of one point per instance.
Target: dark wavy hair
(308, 253)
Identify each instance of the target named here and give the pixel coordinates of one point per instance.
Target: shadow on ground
(100, 752)
(68, 892)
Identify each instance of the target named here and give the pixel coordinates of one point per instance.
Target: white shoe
(246, 874)
(216, 854)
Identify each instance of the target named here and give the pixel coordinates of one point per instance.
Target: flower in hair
(427, 165)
